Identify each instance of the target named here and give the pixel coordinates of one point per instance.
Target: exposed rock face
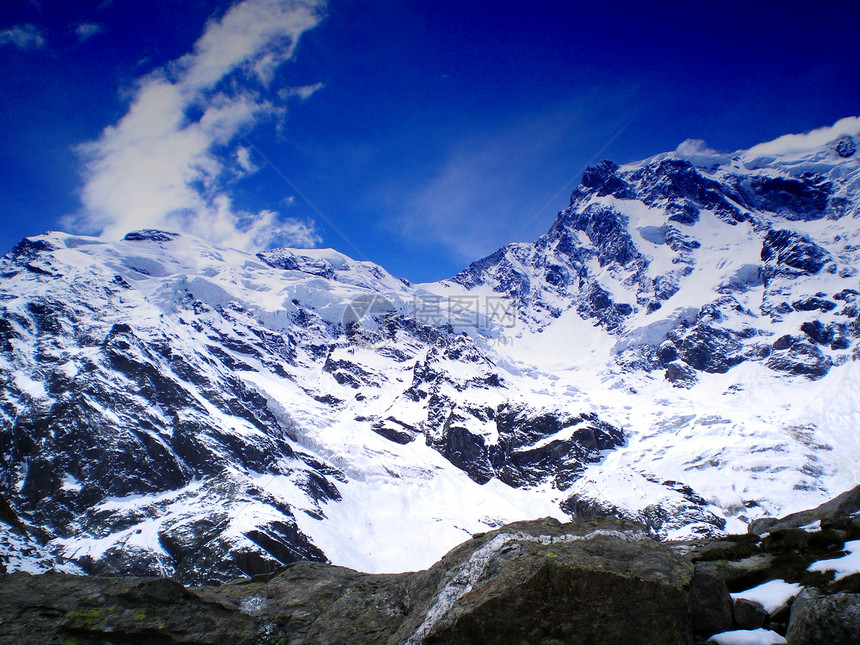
(59, 608)
(748, 614)
(846, 147)
(827, 609)
(789, 253)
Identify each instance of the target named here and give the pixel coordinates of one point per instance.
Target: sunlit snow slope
(680, 348)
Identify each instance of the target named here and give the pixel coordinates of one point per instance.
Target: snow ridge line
(471, 570)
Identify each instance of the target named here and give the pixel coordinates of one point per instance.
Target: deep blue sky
(440, 129)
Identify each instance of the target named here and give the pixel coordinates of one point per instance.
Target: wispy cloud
(304, 92)
(492, 187)
(694, 147)
(796, 143)
(23, 37)
(168, 162)
(86, 30)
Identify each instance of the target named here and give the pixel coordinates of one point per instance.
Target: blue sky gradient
(419, 135)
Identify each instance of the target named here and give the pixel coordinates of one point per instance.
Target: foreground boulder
(574, 583)
(711, 609)
(824, 618)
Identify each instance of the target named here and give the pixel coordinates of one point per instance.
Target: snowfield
(681, 348)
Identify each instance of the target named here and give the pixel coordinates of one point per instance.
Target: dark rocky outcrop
(841, 506)
(790, 253)
(824, 618)
(846, 147)
(529, 582)
(588, 582)
(592, 581)
(150, 234)
(684, 190)
(60, 608)
(801, 358)
(805, 198)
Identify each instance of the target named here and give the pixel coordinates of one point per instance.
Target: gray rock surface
(818, 618)
(710, 604)
(749, 614)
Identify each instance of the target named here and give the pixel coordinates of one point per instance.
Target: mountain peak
(681, 348)
(150, 234)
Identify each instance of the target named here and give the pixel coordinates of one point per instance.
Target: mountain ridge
(679, 348)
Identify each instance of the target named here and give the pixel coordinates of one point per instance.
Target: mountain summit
(680, 348)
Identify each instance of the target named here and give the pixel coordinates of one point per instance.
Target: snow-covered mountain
(680, 348)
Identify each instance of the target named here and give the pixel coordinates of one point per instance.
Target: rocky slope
(679, 349)
(166, 404)
(596, 580)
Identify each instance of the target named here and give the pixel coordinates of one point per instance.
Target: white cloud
(249, 32)
(304, 92)
(86, 30)
(694, 147)
(243, 158)
(797, 143)
(164, 164)
(22, 37)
